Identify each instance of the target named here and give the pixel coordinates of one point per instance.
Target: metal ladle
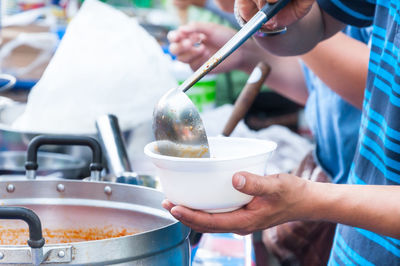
(177, 125)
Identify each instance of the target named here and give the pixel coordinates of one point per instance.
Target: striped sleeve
(358, 13)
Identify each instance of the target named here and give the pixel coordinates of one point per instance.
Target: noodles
(19, 236)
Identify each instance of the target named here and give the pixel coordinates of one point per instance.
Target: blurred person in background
(333, 116)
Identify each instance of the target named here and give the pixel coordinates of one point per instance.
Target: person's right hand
(277, 199)
(197, 42)
(295, 10)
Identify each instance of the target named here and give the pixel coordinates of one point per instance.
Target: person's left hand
(278, 198)
(196, 42)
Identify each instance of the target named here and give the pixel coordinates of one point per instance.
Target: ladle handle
(31, 164)
(247, 96)
(110, 136)
(255, 23)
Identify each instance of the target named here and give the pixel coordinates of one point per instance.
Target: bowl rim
(148, 151)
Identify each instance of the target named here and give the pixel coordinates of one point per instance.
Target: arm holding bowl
(283, 197)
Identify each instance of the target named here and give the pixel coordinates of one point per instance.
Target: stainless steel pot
(17, 140)
(73, 204)
(54, 164)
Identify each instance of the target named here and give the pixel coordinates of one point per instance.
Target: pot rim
(168, 234)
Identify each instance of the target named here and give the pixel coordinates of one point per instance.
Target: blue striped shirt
(333, 121)
(377, 159)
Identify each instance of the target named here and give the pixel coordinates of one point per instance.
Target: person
(329, 116)
(366, 207)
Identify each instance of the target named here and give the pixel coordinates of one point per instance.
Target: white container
(206, 183)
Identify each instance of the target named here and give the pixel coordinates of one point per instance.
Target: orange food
(11, 236)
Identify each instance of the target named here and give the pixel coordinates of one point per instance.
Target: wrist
(300, 207)
(320, 198)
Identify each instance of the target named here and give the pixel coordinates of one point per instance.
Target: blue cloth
(333, 121)
(377, 158)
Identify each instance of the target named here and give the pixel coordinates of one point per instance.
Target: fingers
(261, 3)
(195, 43)
(193, 30)
(188, 54)
(167, 204)
(174, 36)
(181, 47)
(256, 185)
(212, 222)
(198, 27)
(248, 8)
(186, 34)
(205, 30)
(187, 45)
(185, 216)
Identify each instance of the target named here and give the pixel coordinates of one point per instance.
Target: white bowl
(206, 183)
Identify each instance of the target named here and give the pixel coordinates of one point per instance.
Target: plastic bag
(105, 63)
(45, 42)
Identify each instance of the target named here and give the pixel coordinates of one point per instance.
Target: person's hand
(183, 4)
(294, 11)
(197, 42)
(278, 198)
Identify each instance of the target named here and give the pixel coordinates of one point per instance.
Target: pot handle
(36, 240)
(31, 164)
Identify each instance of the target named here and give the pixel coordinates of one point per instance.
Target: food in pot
(19, 236)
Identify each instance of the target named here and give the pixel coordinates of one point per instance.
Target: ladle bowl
(178, 127)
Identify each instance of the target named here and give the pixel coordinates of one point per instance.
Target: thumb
(254, 185)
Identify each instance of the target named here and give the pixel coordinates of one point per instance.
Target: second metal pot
(55, 164)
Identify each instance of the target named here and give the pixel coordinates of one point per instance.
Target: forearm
(343, 70)
(303, 35)
(374, 208)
